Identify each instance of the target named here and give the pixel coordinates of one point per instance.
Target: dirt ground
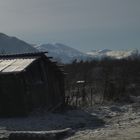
(101, 122)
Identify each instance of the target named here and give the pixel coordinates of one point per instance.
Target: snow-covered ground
(122, 122)
(106, 122)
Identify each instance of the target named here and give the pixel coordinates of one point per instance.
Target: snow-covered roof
(15, 64)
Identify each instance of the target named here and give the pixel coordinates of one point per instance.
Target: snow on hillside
(66, 54)
(62, 52)
(113, 54)
(13, 45)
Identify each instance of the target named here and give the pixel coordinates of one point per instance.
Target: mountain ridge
(63, 53)
(67, 54)
(60, 52)
(119, 54)
(13, 45)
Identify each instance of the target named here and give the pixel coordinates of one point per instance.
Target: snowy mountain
(63, 53)
(99, 54)
(60, 52)
(13, 45)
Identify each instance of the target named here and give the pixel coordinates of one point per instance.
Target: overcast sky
(82, 24)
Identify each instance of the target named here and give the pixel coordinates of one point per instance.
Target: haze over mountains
(60, 52)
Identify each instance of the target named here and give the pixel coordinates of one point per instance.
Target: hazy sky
(82, 24)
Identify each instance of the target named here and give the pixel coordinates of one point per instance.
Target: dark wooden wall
(11, 95)
(40, 86)
(44, 85)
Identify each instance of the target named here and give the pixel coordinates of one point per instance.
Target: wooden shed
(29, 81)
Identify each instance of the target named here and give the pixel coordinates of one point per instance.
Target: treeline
(88, 83)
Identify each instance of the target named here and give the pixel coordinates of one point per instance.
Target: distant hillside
(63, 53)
(99, 54)
(13, 45)
(60, 52)
(67, 54)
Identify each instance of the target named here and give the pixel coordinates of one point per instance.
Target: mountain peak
(63, 53)
(13, 45)
(66, 54)
(2, 35)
